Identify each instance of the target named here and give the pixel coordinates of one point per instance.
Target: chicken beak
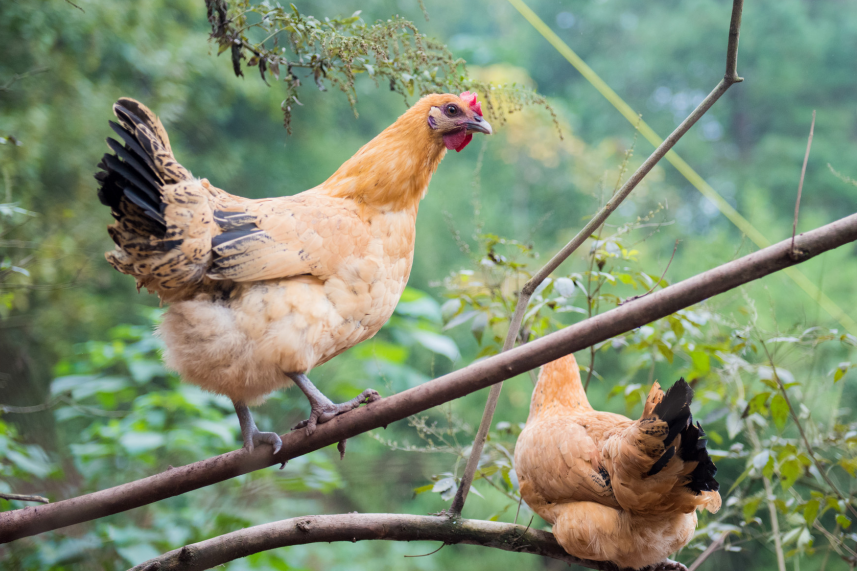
(479, 125)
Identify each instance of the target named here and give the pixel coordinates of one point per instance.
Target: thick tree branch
(730, 78)
(363, 527)
(175, 481)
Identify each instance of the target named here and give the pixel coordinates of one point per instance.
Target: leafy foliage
(391, 52)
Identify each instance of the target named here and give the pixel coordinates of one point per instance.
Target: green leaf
(850, 465)
(790, 470)
(757, 404)
(425, 308)
(843, 521)
(665, 350)
(480, 322)
(450, 309)
(810, 511)
(779, 411)
(771, 383)
(701, 361)
(436, 343)
(137, 442)
(443, 485)
(750, 508)
(423, 489)
(460, 318)
(564, 287)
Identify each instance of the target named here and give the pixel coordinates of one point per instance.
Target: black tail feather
(130, 176)
(693, 449)
(674, 409)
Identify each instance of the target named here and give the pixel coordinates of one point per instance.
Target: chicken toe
(322, 409)
(667, 565)
(253, 436)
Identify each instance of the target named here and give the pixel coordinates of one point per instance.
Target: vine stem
(729, 79)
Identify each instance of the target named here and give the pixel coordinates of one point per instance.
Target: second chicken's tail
(673, 408)
(661, 463)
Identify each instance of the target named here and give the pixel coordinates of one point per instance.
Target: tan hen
(614, 489)
(262, 291)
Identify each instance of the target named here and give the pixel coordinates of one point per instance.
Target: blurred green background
(75, 334)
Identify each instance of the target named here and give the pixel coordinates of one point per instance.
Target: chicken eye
(452, 109)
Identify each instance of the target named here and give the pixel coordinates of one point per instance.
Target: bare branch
(19, 76)
(32, 520)
(363, 527)
(717, 544)
(25, 498)
(802, 175)
(529, 288)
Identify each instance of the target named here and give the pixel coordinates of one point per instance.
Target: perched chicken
(614, 489)
(262, 291)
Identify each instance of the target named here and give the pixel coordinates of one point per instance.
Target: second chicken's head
(456, 117)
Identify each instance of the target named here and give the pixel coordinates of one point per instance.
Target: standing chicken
(614, 489)
(262, 291)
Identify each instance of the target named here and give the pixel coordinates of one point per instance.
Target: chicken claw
(667, 565)
(252, 435)
(322, 408)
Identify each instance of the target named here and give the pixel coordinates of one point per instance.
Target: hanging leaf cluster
(296, 48)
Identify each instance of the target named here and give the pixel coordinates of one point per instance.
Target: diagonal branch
(37, 519)
(730, 78)
(362, 527)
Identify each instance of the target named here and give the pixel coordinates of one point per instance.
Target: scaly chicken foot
(252, 435)
(322, 409)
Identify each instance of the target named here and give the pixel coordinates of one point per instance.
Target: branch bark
(363, 527)
(729, 79)
(37, 519)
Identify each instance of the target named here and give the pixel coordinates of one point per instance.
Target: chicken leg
(252, 436)
(322, 409)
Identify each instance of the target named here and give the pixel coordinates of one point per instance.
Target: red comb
(470, 99)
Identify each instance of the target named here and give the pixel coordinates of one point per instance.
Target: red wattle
(457, 139)
(464, 144)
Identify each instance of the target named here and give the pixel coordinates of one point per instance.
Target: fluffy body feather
(614, 489)
(259, 289)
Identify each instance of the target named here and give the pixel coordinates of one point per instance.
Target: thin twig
(802, 175)
(25, 498)
(716, 545)
(19, 76)
(442, 545)
(657, 283)
(29, 409)
(728, 80)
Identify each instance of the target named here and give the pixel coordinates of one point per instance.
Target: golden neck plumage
(392, 171)
(559, 389)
